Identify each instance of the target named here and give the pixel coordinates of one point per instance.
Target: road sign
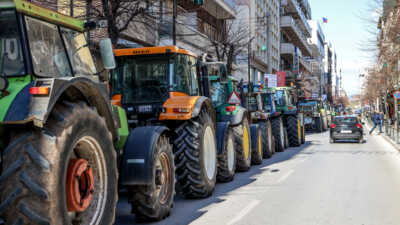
(234, 99)
(396, 94)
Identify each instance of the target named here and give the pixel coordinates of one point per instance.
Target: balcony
(293, 8)
(288, 25)
(288, 52)
(219, 9)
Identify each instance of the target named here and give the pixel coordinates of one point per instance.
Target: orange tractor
(161, 86)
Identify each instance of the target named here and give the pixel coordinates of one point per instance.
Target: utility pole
(174, 12)
(269, 67)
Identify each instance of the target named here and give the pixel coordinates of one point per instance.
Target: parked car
(347, 127)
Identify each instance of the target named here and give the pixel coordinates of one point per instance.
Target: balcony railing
(289, 22)
(296, 9)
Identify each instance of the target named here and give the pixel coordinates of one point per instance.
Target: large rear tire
(227, 160)
(243, 145)
(279, 134)
(195, 152)
(267, 139)
(42, 167)
(294, 131)
(257, 145)
(154, 202)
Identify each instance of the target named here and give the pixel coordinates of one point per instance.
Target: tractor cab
(145, 78)
(39, 50)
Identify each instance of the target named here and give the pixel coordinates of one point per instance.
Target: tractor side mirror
(3, 83)
(107, 54)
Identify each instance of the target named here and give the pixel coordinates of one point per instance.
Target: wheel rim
(282, 135)
(299, 131)
(270, 139)
(259, 146)
(163, 177)
(87, 161)
(209, 153)
(246, 148)
(231, 154)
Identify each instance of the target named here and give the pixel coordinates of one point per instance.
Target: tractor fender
(136, 167)
(253, 130)
(69, 89)
(222, 129)
(204, 102)
(290, 113)
(238, 117)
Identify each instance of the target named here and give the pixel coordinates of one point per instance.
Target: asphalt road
(316, 184)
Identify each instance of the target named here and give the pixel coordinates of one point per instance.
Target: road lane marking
(284, 177)
(244, 212)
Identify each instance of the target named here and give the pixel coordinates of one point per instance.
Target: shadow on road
(187, 210)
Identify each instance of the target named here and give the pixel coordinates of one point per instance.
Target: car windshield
(11, 57)
(345, 120)
(142, 80)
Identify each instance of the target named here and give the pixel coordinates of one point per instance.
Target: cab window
(48, 54)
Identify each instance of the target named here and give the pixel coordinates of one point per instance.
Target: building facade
(295, 31)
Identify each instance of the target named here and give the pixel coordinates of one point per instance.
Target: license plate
(308, 120)
(145, 108)
(346, 131)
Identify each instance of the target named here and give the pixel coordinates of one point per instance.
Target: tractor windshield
(143, 79)
(146, 79)
(280, 97)
(11, 57)
(219, 93)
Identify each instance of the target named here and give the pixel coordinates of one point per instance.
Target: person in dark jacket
(377, 118)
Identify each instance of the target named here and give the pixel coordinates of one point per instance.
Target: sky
(346, 29)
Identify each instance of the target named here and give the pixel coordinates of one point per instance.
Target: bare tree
(233, 41)
(119, 14)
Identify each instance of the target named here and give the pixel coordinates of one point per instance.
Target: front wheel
(257, 145)
(279, 134)
(294, 131)
(195, 152)
(65, 173)
(154, 202)
(243, 145)
(227, 160)
(267, 139)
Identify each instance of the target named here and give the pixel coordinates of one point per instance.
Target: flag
(324, 20)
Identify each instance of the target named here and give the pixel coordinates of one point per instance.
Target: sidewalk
(384, 135)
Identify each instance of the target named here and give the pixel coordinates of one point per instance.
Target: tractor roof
(279, 88)
(152, 51)
(33, 10)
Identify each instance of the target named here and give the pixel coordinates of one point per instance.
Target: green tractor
(65, 149)
(231, 118)
(314, 112)
(261, 121)
(291, 118)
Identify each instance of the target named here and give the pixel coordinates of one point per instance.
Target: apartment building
(313, 83)
(262, 18)
(295, 31)
(265, 30)
(197, 26)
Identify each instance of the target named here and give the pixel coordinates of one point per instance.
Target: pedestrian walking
(377, 121)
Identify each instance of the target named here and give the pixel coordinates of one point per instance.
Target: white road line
(244, 212)
(284, 177)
